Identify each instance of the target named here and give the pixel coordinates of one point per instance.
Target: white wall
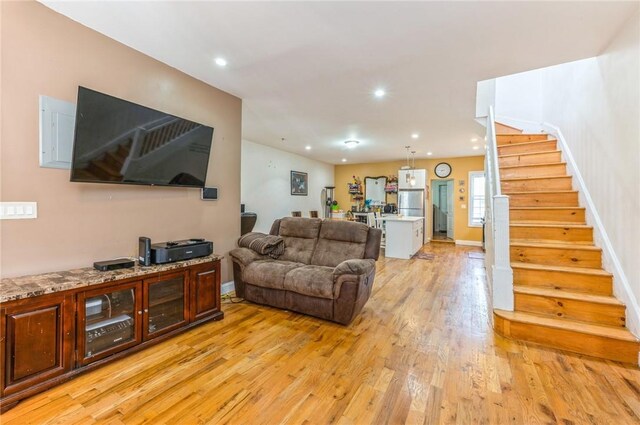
(596, 104)
(266, 186)
(520, 95)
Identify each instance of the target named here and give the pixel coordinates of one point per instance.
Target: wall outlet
(18, 210)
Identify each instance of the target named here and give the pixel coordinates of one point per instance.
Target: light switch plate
(18, 210)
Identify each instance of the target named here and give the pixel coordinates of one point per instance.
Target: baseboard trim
(468, 243)
(227, 287)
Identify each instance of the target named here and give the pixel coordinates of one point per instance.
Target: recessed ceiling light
(429, 153)
(379, 93)
(415, 135)
(475, 139)
(351, 143)
(222, 62)
(308, 148)
(344, 159)
(476, 147)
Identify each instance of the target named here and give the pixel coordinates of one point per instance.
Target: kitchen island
(404, 236)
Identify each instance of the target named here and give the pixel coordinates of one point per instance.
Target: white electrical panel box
(57, 124)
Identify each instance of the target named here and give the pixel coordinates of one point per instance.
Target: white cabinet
(405, 176)
(404, 236)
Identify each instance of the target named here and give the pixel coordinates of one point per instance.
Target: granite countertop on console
(16, 288)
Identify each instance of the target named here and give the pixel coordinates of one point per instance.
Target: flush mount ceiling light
(379, 93)
(475, 139)
(415, 135)
(308, 148)
(429, 153)
(344, 159)
(475, 148)
(221, 62)
(351, 143)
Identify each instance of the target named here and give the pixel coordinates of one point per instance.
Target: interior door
(450, 209)
(442, 217)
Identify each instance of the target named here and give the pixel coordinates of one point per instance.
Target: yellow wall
(460, 168)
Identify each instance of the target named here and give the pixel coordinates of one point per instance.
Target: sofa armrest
(354, 267)
(245, 256)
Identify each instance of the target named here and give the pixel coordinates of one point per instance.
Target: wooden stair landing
(563, 298)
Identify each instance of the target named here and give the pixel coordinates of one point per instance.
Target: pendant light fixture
(412, 180)
(407, 167)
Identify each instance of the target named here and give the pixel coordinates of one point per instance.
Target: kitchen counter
(402, 218)
(404, 236)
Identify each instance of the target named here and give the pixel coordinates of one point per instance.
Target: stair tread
(569, 325)
(553, 268)
(526, 243)
(521, 134)
(530, 222)
(520, 192)
(562, 293)
(562, 176)
(546, 208)
(529, 153)
(551, 225)
(541, 164)
(528, 142)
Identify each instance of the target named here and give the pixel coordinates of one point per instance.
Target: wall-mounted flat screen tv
(117, 141)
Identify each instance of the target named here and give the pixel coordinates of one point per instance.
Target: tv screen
(117, 141)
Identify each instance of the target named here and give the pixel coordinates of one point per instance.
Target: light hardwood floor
(422, 352)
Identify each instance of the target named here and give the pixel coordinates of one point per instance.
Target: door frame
(433, 193)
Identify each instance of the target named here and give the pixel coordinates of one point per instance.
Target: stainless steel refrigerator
(411, 202)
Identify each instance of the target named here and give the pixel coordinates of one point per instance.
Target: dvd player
(168, 252)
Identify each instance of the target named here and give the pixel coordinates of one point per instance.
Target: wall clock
(443, 170)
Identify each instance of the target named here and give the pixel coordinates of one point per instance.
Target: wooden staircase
(563, 297)
(107, 167)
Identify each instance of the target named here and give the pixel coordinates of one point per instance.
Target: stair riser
(558, 307)
(577, 342)
(114, 161)
(550, 145)
(580, 282)
(538, 158)
(576, 215)
(100, 172)
(529, 185)
(544, 199)
(557, 256)
(512, 139)
(559, 234)
(534, 171)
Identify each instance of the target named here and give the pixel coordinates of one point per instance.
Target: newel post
(502, 272)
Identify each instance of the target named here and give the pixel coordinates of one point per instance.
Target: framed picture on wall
(299, 183)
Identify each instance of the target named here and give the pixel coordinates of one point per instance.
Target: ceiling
(306, 71)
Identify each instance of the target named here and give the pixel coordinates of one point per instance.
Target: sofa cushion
(339, 241)
(315, 281)
(300, 236)
(268, 273)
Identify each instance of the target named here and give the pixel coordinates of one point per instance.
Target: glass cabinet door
(166, 304)
(109, 321)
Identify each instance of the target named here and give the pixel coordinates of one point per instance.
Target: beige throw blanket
(263, 244)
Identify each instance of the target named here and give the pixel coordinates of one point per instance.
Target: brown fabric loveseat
(326, 271)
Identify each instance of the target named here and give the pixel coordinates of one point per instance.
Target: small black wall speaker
(209, 193)
(144, 251)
